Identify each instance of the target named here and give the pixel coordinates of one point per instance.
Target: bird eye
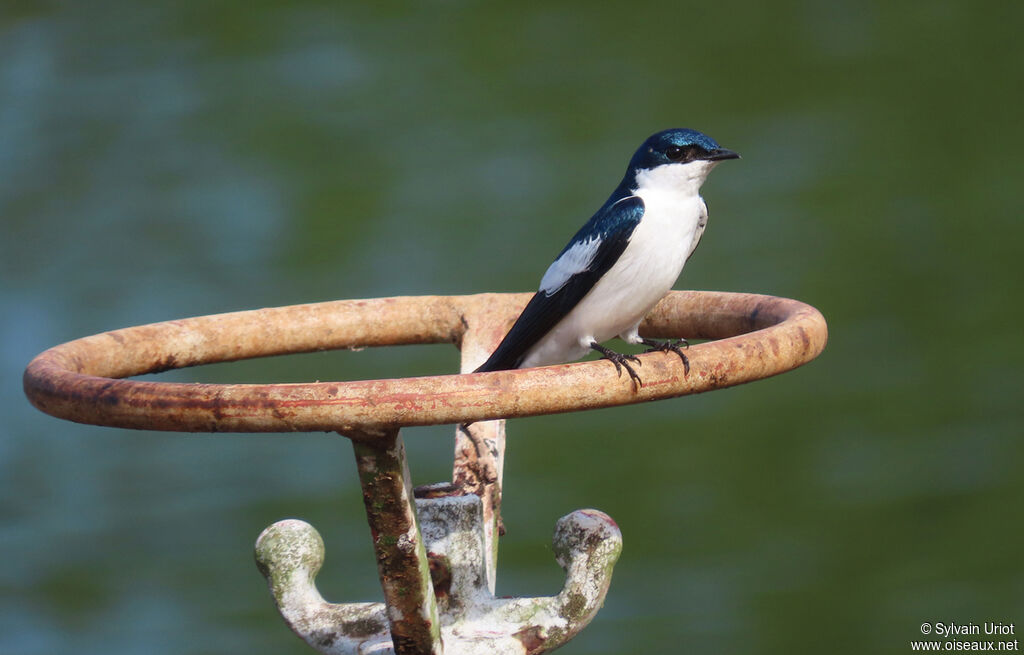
(684, 153)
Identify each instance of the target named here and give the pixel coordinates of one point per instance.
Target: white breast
(648, 268)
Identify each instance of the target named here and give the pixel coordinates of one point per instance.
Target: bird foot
(621, 361)
(669, 345)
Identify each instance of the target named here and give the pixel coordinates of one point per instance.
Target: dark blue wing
(594, 249)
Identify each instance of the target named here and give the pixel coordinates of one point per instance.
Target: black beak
(721, 153)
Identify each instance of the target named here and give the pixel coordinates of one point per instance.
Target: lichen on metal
(290, 554)
(437, 546)
(587, 543)
(401, 558)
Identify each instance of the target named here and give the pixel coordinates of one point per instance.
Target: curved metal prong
(289, 554)
(587, 544)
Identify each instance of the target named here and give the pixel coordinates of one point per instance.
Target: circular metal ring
(754, 336)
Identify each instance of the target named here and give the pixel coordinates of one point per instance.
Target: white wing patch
(573, 261)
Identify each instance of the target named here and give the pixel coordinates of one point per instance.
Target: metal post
(401, 557)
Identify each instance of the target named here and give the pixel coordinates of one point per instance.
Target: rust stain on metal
(76, 380)
(533, 639)
(805, 340)
(440, 574)
(398, 545)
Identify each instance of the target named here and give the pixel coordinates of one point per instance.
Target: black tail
(503, 358)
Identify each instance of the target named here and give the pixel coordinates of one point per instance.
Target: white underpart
(672, 224)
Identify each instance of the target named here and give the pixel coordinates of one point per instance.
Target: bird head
(679, 153)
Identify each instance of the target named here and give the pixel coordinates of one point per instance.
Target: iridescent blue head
(678, 146)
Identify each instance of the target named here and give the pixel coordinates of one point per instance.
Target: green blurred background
(161, 160)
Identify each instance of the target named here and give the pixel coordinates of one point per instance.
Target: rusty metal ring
(754, 336)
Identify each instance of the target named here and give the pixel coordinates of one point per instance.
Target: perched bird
(621, 262)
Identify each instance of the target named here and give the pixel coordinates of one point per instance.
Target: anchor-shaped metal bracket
(436, 548)
(437, 556)
(469, 618)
